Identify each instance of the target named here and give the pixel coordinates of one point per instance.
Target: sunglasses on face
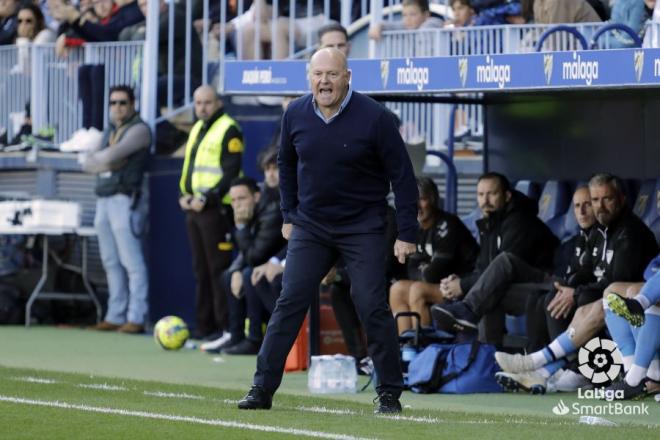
(121, 102)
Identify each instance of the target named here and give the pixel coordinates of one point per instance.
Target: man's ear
(507, 196)
(257, 196)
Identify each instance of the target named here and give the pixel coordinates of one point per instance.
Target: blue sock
(621, 332)
(648, 342)
(550, 369)
(650, 291)
(562, 346)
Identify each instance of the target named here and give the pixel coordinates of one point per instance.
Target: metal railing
(14, 85)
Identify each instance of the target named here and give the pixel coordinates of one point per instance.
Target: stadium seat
(631, 189)
(653, 205)
(470, 222)
(553, 204)
(529, 188)
(642, 201)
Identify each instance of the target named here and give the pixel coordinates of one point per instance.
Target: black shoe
(256, 398)
(211, 348)
(627, 308)
(387, 403)
(629, 392)
(246, 346)
(455, 317)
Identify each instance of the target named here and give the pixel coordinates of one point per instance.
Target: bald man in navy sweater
(340, 152)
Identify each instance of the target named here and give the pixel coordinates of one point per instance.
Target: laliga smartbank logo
(492, 73)
(463, 70)
(411, 75)
(577, 69)
(600, 361)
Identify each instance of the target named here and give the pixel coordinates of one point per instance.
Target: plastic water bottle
(592, 420)
(332, 375)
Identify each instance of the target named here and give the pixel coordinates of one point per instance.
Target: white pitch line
(173, 395)
(176, 418)
(33, 379)
(324, 410)
(101, 386)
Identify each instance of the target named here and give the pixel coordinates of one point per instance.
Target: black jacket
(444, 249)
(572, 254)
(515, 229)
(262, 237)
(619, 252)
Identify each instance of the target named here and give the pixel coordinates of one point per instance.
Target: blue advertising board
(479, 73)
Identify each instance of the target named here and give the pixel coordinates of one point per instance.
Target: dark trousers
(503, 289)
(91, 83)
(236, 307)
(348, 320)
(309, 258)
(206, 230)
(260, 301)
(541, 327)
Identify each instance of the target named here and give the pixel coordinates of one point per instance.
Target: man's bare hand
(286, 230)
(184, 202)
(562, 303)
(402, 249)
(450, 287)
(258, 273)
(273, 270)
(197, 204)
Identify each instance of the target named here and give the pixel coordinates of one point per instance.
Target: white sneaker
(569, 381)
(212, 345)
(529, 381)
(514, 363)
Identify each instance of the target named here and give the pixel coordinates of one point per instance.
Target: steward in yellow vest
(213, 159)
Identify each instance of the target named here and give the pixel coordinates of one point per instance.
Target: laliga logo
(639, 64)
(600, 361)
(384, 72)
(411, 75)
(548, 61)
(561, 409)
(463, 70)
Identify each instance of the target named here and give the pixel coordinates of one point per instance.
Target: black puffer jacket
(619, 252)
(445, 248)
(515, 229)
(262, 237)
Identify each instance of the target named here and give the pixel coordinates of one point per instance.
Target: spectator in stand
(137, 32)
(31, 25)
(564, 11)
(415, 15)
(464, 14)
(444, 246)
(632, 13)
(103, 22)
(496, 12)
(8, 21)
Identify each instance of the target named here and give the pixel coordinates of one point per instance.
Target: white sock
(538, 359)
(627, 362)
(643, 301)
(654, 370)
(635, 375)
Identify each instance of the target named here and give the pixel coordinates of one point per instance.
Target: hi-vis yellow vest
(207, 171)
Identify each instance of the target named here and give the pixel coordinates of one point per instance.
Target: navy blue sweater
(335, 177)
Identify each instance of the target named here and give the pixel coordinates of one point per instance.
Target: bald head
(329, 55)
(206, 102)
(329, 78)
